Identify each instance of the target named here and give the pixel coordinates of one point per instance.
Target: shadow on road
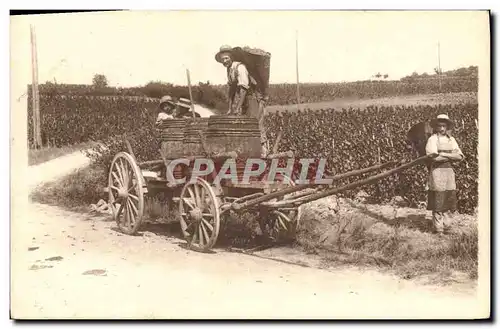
(171, 230)
(228, 239)
(185, 246)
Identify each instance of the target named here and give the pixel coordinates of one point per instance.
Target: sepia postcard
(250, 165)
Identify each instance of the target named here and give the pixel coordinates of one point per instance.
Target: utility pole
(37, 135)
(439, 66)
(297, 67)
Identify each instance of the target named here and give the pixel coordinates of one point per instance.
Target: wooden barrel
(172, 138)
(234, 133)
(192, 139)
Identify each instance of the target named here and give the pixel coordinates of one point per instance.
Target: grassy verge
(75, 191)
(399, 239)
(78, 190)
(48, 153)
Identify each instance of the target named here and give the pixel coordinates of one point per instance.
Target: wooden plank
(331, 191)
(297, 188)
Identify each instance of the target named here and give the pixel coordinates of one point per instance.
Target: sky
(133, 48)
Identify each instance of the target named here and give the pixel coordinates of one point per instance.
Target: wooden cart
(205, 204)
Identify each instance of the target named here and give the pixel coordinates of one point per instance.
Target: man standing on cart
(244, 98)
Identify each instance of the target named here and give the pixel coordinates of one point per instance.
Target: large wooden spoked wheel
(281, 224)
(199, 215)
(126, 193)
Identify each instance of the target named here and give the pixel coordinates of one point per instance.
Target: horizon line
(196, 83)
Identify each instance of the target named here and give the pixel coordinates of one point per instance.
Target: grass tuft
(76, 190)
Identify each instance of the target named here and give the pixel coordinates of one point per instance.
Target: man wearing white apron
(442, 196)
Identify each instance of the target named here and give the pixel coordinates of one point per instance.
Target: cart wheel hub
(122, 193)
(196, 214)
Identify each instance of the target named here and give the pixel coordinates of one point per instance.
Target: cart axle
(123, 193)
(196, 214)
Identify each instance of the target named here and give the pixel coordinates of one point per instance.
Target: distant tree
(157, 89)
(100, 81)
(462, 72)
(386, 76)
(438, 71)
(473, 71)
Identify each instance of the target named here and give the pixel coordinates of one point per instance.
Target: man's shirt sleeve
(243, 77)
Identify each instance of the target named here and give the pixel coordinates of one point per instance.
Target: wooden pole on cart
(37, 135)
(297, 67)
(370, 180)
(190, 92)
(297, 188)
(129, 147)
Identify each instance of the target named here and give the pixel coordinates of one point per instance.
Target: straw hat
(183, 102)
(167, 99)
(442, 118)
(223, 49)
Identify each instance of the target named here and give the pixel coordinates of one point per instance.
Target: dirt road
(55, 168)
(408, 100)
(69, 265)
